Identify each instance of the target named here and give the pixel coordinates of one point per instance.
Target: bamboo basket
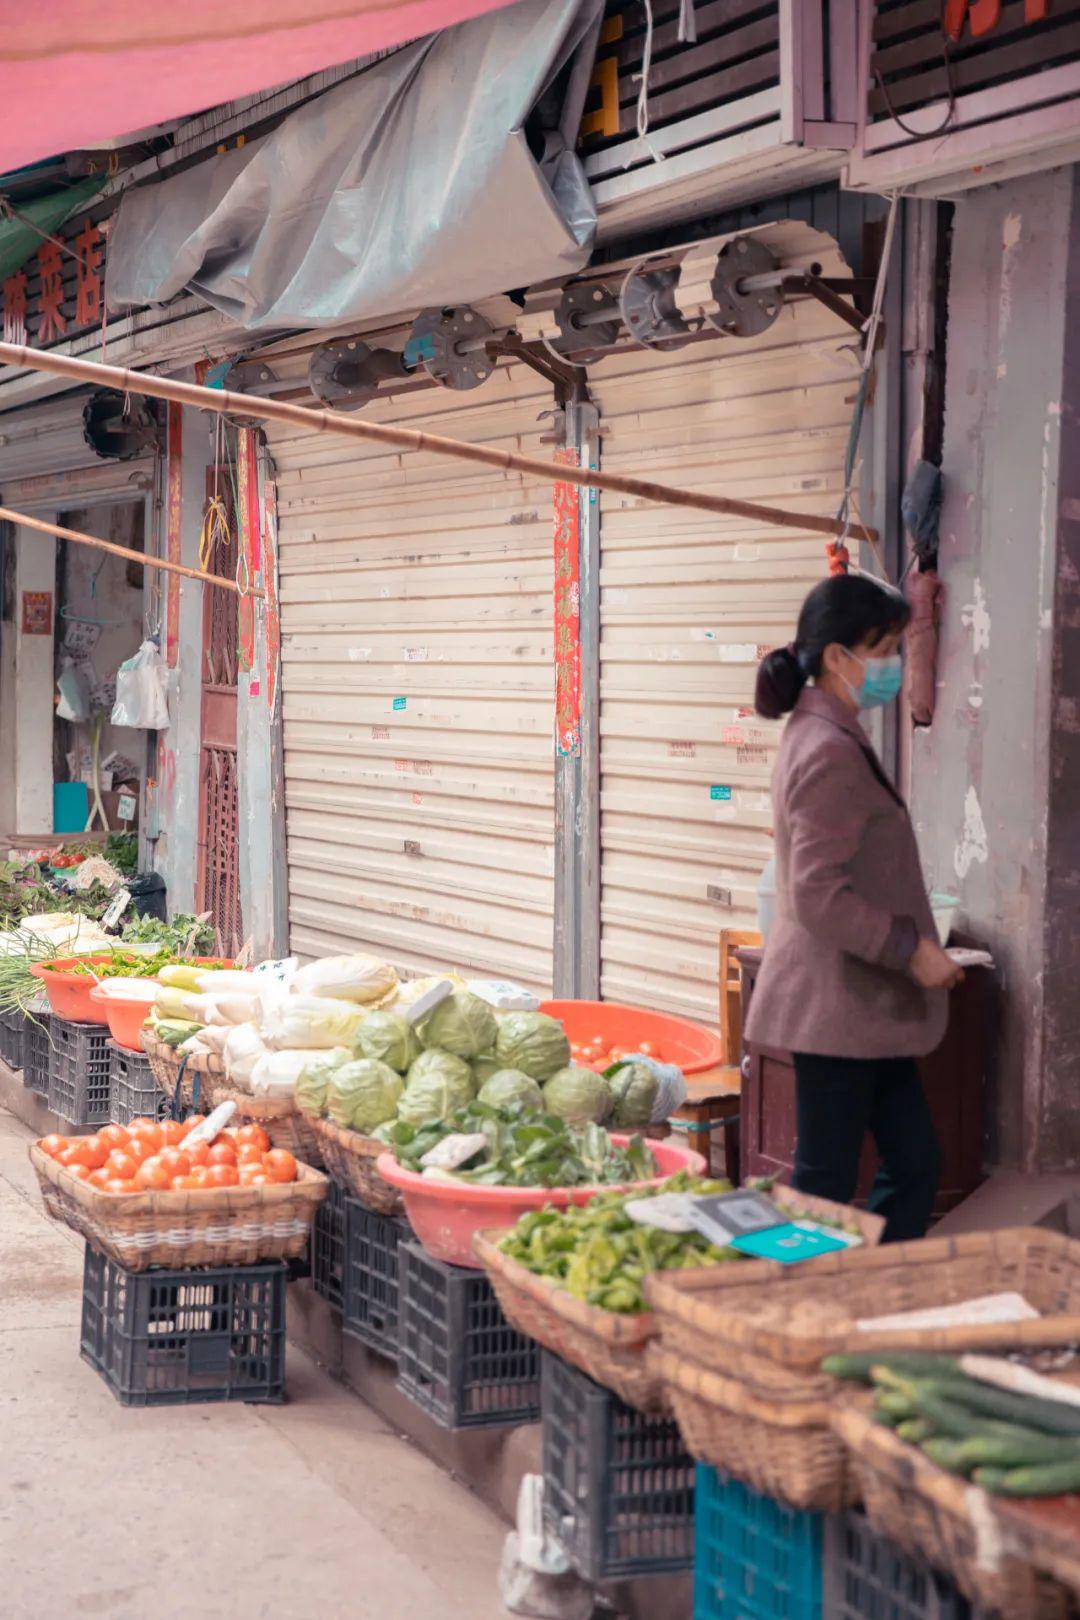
(607, 1346)
(235, 1226)
(781, 1447)
(762, 1338)
(279, 1117)
(350, 1157)
(954, 1525)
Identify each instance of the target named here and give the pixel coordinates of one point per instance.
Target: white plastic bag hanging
(140, 691)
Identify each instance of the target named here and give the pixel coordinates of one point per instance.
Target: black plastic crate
(618, 1486)
(868, 1577)
(133, 1093)
(371, 1266)
(167, 1338)
(37, 1051)
(754, 1558)
(11, 1038)
(458, 1357)
(79, 1072)
(327, 1259)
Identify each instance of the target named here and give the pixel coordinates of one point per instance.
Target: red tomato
(54, 1145)
(199, 1174)
(197, 1152)
(184, 1184)
(69, 1157)
(189, 1124)
(114, 1135)
(121, 1166)
(249, 1153)
(172, 1132)
(118, 1184)
(222, 1175)
(152, 1176)
(174, 1161)
(280, 1165)
(148, 1131)
(139, 1149)
(253, 1175)
(79, 1171)
(98, 1179)
(254, 1134)
(93, 1152)
(649, 1049)
(222, 1152)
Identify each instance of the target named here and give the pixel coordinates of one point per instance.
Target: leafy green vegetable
(577, 1095)
(462, 1024)
(389, 1038)
(524, 1149)
(600, 1255)
(484, 1066)
(362, 1094)
(437, 1083)
(633, 1088)
(532, 1042)
(184, 936)
(313, 1086)
(509, 1088)
(122, 851)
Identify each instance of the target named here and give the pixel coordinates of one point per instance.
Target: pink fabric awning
(77, 72)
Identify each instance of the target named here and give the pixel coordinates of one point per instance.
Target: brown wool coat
(849, 884)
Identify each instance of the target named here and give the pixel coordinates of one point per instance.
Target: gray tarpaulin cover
(408, 186)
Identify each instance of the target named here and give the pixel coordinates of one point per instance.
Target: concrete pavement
(315, 1510)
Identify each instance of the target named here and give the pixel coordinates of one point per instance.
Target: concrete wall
(982, 773)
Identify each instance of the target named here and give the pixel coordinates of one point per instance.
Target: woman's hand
(934, 968)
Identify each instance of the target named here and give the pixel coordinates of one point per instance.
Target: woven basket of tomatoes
(137, 1194)
(205, 1085)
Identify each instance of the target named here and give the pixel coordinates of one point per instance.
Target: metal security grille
(220, 886)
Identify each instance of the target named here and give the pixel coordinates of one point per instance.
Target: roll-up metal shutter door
(45, 459)
(688, 601)
(416, 598)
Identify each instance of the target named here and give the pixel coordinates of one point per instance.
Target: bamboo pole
(140, 557)
(402, 438)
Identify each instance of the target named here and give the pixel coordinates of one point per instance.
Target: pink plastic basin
(444, 1217)
(693, 1047)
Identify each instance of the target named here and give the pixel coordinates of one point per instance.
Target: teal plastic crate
(754, 1559)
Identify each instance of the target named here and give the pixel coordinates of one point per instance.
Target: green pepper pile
(600, 1255)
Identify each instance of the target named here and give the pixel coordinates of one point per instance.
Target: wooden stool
(713, 1103)
(732, 940)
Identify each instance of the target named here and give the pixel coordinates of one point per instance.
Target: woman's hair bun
(780, 679)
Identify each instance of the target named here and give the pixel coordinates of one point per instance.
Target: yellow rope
(215, 530)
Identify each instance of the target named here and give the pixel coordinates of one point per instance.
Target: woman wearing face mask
(853, 978)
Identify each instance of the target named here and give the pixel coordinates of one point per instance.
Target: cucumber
(948, 1417)
(859, 1365)
(1031, 1413)
(1041, 1479)
(895, 1404)
(1005, 1446)
(946, 1453)
(914, 1431)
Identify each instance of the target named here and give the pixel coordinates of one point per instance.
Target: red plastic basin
(445, 1216)
(69, 993)
(693, 1047)
(125, 1017)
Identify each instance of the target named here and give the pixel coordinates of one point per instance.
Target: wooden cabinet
(953, 1077)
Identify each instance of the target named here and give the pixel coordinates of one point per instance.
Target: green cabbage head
(484, 1066)
(532, 1042)
(509, 1088)
(313, 1085)
(437, 1083)
(363, 1093)
(462, 1024)
(634, 1089)
(580, 1096)
(389, 1038)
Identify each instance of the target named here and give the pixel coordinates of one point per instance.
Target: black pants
(837, 1101)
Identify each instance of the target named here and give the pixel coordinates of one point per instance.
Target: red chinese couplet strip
(567, 613)
(250, 541)
(173, 534)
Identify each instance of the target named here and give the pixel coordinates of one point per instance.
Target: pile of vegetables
(600, 1255)
(518, 1147)
(151, 1156)
(1011, 1443)
(599, 1053)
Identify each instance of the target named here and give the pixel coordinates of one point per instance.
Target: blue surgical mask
(881, 682)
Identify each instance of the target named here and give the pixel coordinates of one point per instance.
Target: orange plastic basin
(124, 1017)
(445, 1215)
(693, 1047)
(69, 993)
